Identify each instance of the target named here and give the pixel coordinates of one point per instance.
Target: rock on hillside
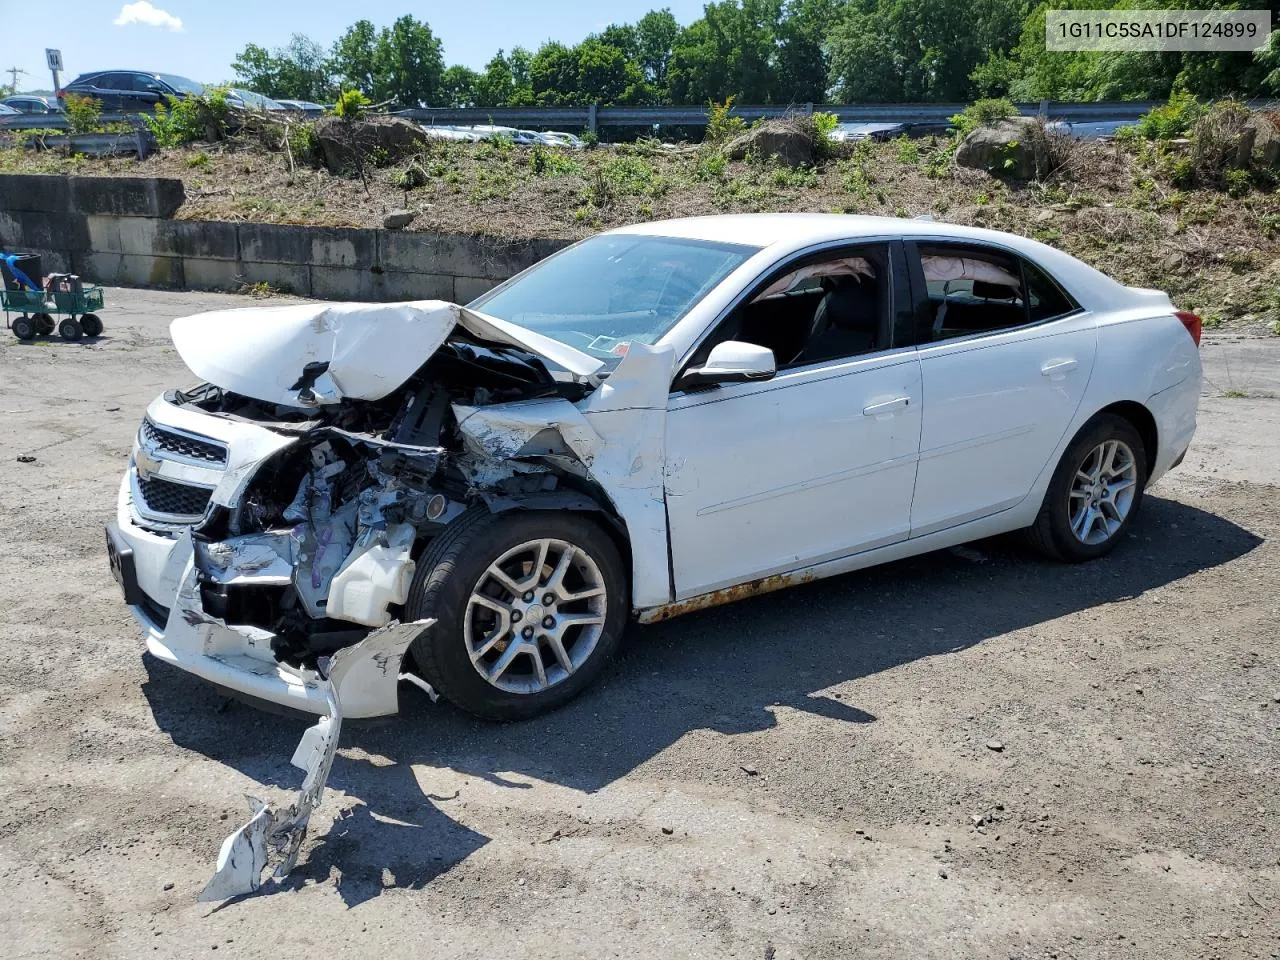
(1012, 147)
(379, 142)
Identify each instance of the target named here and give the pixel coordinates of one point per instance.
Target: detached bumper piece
(274, 833)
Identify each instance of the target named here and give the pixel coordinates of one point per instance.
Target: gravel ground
(969, 754)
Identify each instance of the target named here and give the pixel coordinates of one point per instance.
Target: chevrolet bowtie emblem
(147, 464)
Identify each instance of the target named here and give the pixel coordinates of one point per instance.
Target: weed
(721, 124)
(548, 162)
(1238, 182)
(84, 114)
(350, 104)
(908, 150)
(199, 161)
(711, 165)
(1171, 120)
(983, 113)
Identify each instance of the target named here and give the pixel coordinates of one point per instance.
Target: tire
(455, 570)
(44, 324)
(24, 327)
(69, 329)
(91, 324)
(1070, 492)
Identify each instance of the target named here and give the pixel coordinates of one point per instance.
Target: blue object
(11, 261)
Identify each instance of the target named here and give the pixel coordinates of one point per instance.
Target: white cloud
(144, 13)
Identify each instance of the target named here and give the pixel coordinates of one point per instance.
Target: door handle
(886, 408)
(1057, 369)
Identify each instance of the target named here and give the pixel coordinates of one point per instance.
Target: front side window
(614, 289)
(821, 309)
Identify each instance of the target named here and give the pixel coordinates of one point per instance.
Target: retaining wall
(120, 231)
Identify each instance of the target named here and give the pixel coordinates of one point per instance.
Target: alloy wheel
(1102, 492)
(535, 616)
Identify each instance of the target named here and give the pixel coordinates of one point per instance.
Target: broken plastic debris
(370, 668)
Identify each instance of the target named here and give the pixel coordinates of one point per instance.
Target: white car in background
(654, 420)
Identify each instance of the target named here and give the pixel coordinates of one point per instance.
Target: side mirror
(730, 362)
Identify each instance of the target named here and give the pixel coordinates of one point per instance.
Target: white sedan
(654, 420)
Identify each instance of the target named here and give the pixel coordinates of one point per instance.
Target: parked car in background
(559, 139)
(652, 421)
(251, 100)
(30, 103)
(305, 107)
(8, 111)
(845, 132)
(130, 91)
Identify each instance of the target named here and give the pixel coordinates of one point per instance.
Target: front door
(818, 462)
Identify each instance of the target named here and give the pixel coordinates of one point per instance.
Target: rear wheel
(91, 324)
(1095, 492)
(69, 329)
(529, 608)
(44, 324)
(24, 327)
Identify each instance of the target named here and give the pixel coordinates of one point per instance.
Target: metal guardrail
(593, 116)
(911, 114)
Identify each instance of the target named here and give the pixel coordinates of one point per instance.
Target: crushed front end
(253, 537)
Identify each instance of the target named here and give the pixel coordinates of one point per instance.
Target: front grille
(192, 448)
(176, 499)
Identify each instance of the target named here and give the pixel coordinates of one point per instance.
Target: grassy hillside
(1216, 248)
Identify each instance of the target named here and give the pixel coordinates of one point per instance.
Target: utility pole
(13, 73)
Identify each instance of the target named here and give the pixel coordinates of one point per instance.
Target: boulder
(1013, 147)
(375, 142)
(791, 143)
(1260, 141)
(398, 219)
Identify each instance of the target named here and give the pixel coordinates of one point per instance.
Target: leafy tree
(729, 52)
(458, 87)
(408, 64)
(802, 62)
(553, 75)
(353, 57)
(656, 34)
(297, 71)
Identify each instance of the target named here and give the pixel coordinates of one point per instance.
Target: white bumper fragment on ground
(363, 677)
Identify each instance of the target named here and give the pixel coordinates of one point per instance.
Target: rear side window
(971, 290)
(974, 289)
(1047, 301)
(113, 81)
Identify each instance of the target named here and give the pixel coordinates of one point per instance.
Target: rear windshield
(614, 289)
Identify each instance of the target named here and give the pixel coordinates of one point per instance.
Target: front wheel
(1095, 491)
(529, 608)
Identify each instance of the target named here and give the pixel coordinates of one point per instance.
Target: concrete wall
(119, 231)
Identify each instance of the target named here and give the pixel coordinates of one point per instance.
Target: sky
(199, 38)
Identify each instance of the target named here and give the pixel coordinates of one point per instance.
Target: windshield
(614, 289)
(181, 84)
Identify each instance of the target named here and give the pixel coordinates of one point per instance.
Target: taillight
(1192, 323)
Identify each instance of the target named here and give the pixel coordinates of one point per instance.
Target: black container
(26, 262)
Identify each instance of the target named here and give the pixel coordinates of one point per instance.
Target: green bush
(84, 114)
(191, 118)
(350, 104)
(721, 125)
(1172, 120)
(983, 113)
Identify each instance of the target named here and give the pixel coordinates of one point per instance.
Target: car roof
(783, 233)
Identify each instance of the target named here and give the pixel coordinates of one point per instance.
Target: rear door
(111, 90)
(1005, 355)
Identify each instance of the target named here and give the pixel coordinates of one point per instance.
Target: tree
(728, 53)
(458, 87)
(802, 62)
(353, 57)
(408, 64)
(298, 71)
(656, 34)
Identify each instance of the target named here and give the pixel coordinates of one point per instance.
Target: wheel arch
(592, 502)
(1144, 422)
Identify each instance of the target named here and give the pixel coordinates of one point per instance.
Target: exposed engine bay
(320, 546)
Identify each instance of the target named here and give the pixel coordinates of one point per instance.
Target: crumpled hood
(370, 348)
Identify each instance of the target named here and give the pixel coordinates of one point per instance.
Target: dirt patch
(799, 775)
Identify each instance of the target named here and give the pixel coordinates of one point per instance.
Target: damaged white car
(654, 420)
